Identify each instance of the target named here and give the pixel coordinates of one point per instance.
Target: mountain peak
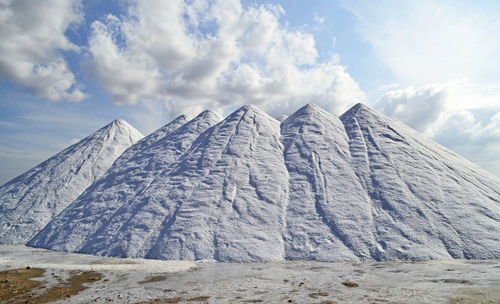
(123, 127)
(182, 117)
(32, 199)
(307, 112)
(250, 109)
(208, 114)
(359, 108)
(120, 122)
(311, 108)
(282, 117)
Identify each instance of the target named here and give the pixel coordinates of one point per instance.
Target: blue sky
(68, 68)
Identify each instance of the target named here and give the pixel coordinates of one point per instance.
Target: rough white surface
(150, 139)
(316, 186)
(426, 201)
(225, 198)
(328, 214)
(31, 200)
(100, 212)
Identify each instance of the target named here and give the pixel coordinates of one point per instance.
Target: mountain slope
(315, 186)
(95, 217)
(151, 139)
(199, 207)
(32, 199)
(226, 198)
(326, 203)
(428, 202)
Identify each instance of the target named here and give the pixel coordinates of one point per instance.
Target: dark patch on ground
(17, 286)
(153, 279)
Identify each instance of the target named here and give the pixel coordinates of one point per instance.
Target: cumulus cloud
(432, 41)
(32, 35)
(419, 108)
(449, 115)
(474, 136)
(216, 54)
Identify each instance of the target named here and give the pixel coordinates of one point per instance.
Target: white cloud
(427, 108)
(446, 113)
(475, 137)
(215, 55)
(433, 41)
(419, 108)
(32, 35)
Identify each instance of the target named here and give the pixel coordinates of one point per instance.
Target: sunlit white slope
(427, 202)
(327, 203)
(31, 200)
(97, 216)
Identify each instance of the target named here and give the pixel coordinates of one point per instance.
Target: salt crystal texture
(316, 186)
(31, 200)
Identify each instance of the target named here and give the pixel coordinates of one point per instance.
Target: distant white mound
(313, 187)
(31, 200)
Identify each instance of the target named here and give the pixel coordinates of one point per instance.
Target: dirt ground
(19, 286)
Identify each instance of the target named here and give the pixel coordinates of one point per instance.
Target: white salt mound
(31, 200)
(316, 186)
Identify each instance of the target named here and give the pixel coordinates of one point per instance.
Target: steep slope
(327, 204)
(225, 199)
(428, 202)
(95, 215)
(32, 199)
(147, 141)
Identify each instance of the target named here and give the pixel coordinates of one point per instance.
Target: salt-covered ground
(125, 280)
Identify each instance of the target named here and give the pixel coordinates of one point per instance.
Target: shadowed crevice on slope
(324, 211)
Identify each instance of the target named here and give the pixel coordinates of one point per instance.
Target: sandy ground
(149, 281)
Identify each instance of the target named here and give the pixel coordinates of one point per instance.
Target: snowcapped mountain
(315, 186)
(31, 200)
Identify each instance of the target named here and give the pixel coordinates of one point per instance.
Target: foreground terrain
(75, 278)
